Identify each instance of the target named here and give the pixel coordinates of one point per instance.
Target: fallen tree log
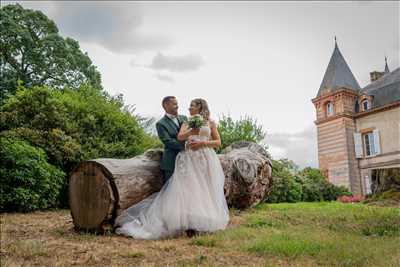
(100, 189)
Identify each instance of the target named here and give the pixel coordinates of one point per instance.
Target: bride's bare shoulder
(212, 123)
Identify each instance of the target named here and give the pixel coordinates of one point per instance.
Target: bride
(193, 198)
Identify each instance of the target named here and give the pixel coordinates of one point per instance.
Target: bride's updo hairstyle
(204, 110)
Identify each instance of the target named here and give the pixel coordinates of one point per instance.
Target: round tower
(335, 106)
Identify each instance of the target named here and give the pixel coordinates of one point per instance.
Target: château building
(358, 129)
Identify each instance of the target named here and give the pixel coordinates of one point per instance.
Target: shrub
(28, 181)
(72, 125)
(285, 187)
(317, 188)
(292, 185)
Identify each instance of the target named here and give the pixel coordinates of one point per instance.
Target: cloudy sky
(262, 59)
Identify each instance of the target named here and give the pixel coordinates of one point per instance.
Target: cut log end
(90, 195)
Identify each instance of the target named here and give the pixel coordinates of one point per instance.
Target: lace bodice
(204, 133)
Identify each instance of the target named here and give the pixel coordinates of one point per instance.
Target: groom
(167, 130)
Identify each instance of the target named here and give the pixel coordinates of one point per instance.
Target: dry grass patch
(301, 234)
(48, 239)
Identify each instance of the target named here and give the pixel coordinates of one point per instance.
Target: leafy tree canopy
(33, 51)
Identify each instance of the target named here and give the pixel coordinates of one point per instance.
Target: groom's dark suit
(167, 131)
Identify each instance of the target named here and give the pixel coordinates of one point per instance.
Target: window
(356, 107)
(365, 104)
(329, 109)
(369, 144)
(370, 141)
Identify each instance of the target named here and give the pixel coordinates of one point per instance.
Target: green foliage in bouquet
(196, 121)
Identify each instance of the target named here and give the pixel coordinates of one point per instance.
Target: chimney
(375, 75)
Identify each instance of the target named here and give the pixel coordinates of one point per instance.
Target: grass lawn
(301, 234)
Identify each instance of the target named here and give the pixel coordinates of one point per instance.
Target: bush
(28, 181)
(317, 188)
(292, 185)
(73, 125)
(285, 187)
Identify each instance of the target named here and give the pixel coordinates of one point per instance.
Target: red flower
(350, 199)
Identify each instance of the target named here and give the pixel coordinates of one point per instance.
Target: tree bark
(100, 189)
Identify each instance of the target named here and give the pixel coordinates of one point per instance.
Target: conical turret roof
(337, 74)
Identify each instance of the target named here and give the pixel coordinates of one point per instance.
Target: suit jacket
(167, 131)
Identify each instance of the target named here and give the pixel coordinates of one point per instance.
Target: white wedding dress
(193, 198)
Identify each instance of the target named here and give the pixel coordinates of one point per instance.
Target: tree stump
(100, 189)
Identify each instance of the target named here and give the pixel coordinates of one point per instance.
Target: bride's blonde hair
(204, 110)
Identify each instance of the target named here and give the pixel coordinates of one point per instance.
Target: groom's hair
(167, 99)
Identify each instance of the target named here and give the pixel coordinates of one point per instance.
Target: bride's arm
(216, 139)
(184, 132)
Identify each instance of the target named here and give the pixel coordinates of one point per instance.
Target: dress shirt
(173, 118)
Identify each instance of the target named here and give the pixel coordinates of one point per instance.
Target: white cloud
(185, 63)
(301, 147)
(117, 26)
(165, 78)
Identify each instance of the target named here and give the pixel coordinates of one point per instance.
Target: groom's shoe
(191, 232)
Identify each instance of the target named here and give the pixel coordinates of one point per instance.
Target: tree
(286, 164)
(33, 51)
(245, 129)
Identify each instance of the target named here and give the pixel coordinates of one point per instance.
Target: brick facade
(336, 153)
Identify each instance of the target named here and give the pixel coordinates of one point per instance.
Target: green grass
(205, 241)
(328, 234)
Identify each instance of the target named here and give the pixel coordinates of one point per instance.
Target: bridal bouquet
(196, 121)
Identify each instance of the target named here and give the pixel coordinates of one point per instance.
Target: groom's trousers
(166, 175)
